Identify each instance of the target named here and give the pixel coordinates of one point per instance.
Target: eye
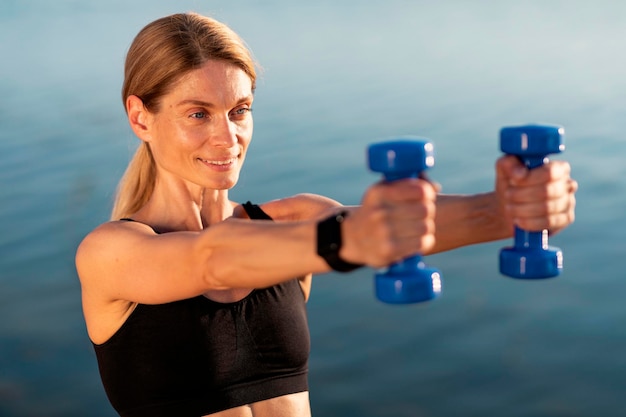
(198, 115)
(241, 111)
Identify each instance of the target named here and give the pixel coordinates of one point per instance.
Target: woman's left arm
(537, 199)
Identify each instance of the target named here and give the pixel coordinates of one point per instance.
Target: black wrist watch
(329, 243)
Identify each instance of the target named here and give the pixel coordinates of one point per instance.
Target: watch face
(329, 236)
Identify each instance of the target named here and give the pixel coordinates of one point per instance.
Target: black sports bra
(197, 356)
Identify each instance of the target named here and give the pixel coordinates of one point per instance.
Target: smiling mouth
(220, 162)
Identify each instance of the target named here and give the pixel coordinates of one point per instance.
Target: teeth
(228, 161)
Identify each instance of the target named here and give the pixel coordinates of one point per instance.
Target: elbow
(218, 265)
(216, 272)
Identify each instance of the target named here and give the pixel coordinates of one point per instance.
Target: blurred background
(336, 77)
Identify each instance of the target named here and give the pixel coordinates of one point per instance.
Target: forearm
(256, 254)
(463, 220)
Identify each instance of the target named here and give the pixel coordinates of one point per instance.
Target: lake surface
(336, 77)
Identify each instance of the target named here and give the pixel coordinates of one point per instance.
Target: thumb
(510, 169)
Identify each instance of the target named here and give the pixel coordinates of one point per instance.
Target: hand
(537, 199)
(395, 220)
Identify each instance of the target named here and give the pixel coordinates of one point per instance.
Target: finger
(410, 246)
(424, 176)
(553, 216)
(549, 172)
(411, 190)
(539, 192)
(565, 219)
(409, 228)
(412, 210)
(552, 171)
(513, 170)
(509, 167)
(406, 190)
(403, 220)
(554, 222)
(540, 208)
(401, 231)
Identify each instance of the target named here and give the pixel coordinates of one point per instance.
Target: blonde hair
(160, 54)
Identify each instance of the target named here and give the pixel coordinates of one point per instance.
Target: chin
(223, 185)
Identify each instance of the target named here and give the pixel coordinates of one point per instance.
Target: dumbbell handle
(526, 239)
(533, 162)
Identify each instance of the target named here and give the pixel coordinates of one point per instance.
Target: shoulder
(115, 230)
(107, 239)
(300, 207)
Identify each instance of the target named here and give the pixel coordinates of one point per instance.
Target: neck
(181, 208)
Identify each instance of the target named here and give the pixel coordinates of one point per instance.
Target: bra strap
(255, 212)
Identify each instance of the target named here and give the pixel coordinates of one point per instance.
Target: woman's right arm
(129, 261)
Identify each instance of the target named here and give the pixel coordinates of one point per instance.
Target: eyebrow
(196, 102)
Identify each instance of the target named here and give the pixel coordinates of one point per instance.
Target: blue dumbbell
(408, 281)
(531, 257)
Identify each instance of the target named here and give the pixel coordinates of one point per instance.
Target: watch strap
(329, 242)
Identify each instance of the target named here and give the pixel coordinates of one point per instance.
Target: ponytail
(136, 186)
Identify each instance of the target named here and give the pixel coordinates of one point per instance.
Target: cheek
(245, 134)
(173, 145)
(183, 138)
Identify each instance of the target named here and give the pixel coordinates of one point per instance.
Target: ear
(139, 118)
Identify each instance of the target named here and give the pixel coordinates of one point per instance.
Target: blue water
(337, 76)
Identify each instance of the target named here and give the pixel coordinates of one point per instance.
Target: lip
(220, 164)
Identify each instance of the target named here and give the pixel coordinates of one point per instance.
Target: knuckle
(387, 252)
(428, 242)
(430, 227)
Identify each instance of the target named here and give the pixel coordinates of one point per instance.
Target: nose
(224, 133)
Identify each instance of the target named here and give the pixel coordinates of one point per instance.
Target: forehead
(214, 78)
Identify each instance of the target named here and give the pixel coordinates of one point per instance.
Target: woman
(194, 309)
